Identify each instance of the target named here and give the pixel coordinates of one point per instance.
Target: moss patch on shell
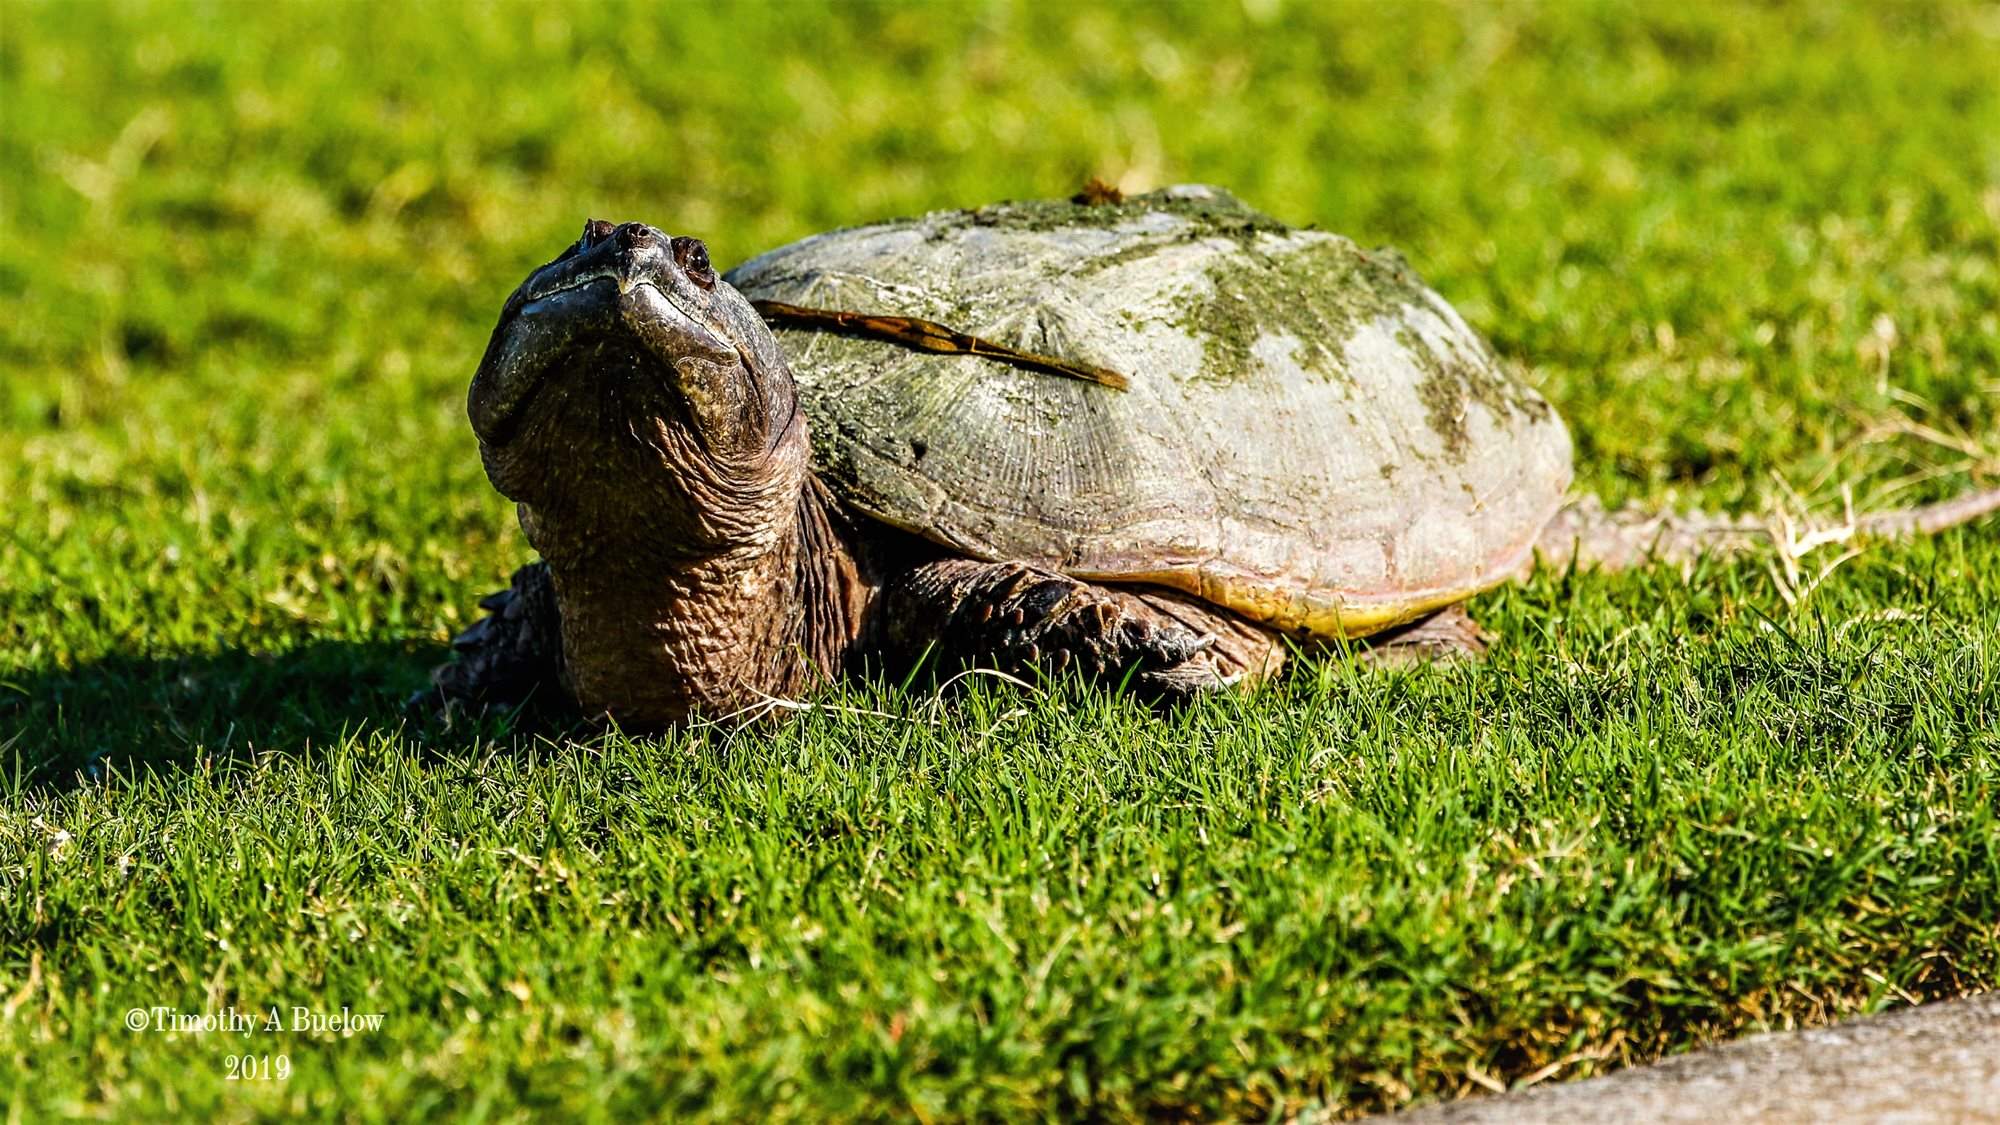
(1318, 294)
(1450, 382)
(1213, 212)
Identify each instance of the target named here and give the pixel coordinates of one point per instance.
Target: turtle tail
(1586, 533)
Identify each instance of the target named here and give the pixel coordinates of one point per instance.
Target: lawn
(250, 255)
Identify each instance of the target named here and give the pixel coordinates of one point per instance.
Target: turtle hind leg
(508, 660)
(1448, 634)
(1020, 618)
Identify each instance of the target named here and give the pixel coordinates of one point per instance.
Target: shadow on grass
(129, 714)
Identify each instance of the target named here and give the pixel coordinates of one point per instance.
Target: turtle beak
(616, 282)
(625, 255)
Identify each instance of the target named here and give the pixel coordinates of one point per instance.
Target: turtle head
(627, 383)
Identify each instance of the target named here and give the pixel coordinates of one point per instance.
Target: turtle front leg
(1016, 617)
(509, 658)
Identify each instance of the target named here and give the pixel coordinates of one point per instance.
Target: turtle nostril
(638, 236)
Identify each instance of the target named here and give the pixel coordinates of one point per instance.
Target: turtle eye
(693, 259)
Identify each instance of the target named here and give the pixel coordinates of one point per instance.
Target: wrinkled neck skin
(756, 591)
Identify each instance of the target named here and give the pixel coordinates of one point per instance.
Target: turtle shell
(1310, 436)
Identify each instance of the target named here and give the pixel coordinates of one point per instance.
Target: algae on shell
(1316, 294)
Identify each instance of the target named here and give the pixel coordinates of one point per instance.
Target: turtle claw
(1106, 638)
(1170, 687)
(1162, 646)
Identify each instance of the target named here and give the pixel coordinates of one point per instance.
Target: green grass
(248, 258)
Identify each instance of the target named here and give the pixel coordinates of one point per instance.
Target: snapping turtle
(1148, 438)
